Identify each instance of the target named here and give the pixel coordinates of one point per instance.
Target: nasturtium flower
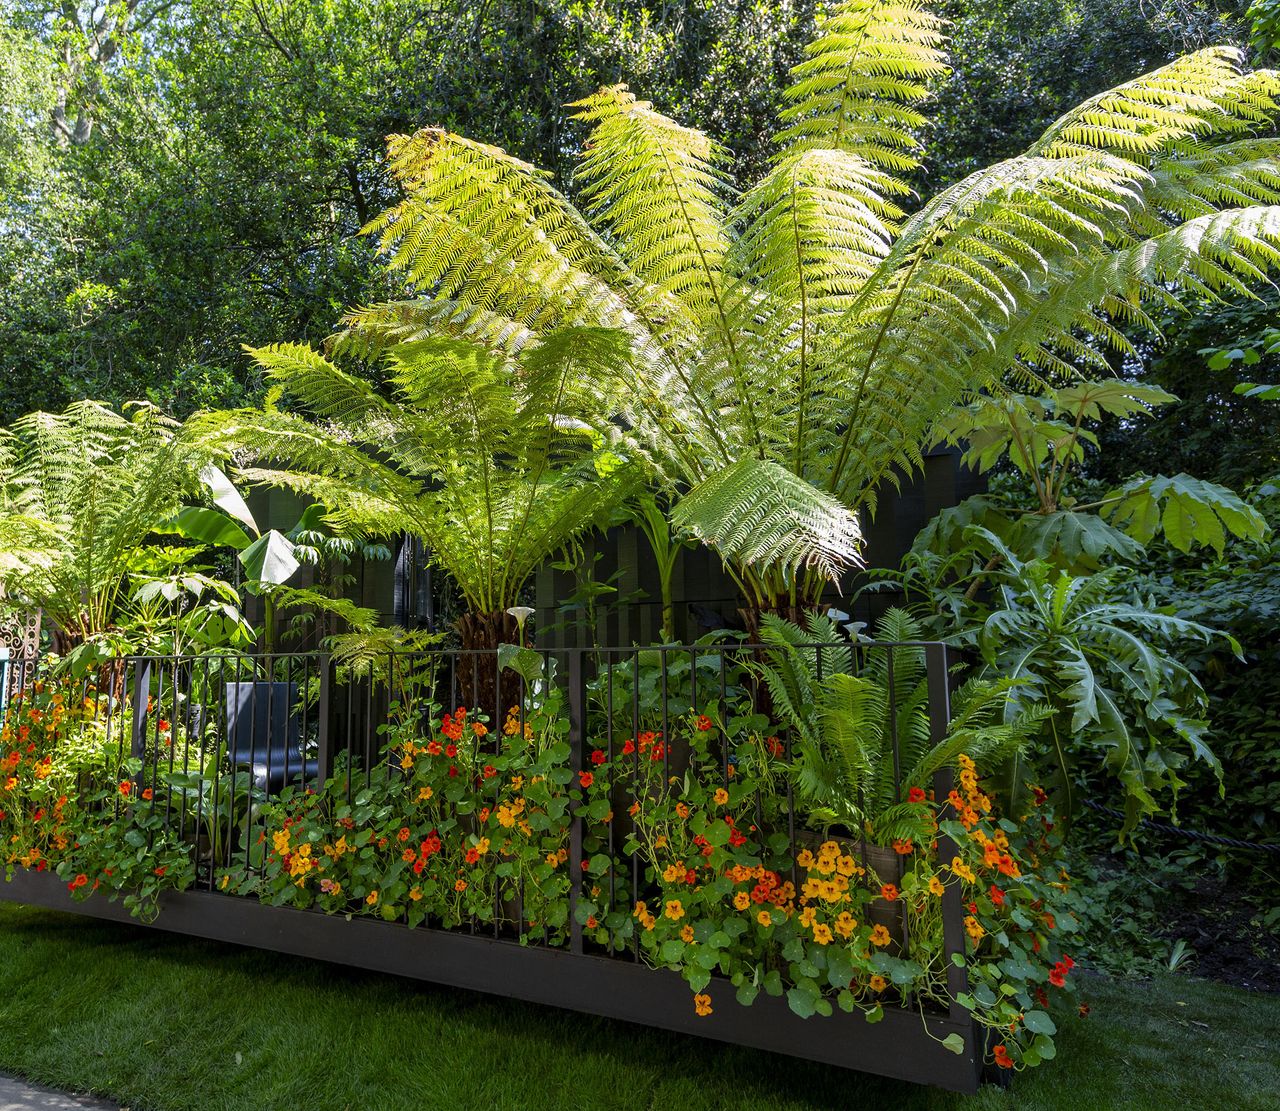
(878, 983)
(702, 1005)
(675, 910)
(880, 935)
(742, 900)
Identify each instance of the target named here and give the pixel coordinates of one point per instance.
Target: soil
(1226, 933)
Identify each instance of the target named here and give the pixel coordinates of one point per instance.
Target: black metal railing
(219, 747)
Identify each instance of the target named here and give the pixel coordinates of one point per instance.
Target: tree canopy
(180, 179)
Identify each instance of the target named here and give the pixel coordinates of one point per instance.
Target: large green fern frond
(660, 189)
(760, 513)
(80, 491)
(865, 72)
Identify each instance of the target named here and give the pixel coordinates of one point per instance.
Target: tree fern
(79, 493)
(486, 458)
(791, 343)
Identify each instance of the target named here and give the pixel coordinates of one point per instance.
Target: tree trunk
(480, 687)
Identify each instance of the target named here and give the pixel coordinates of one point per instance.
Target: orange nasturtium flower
(674, 911)
(880, 936)
(702, 1005)
(879, 983)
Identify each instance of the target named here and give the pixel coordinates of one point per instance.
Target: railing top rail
(734, 646)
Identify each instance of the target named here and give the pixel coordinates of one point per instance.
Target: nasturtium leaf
(1039, 1023)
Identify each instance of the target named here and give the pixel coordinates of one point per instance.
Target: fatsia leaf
(1072, 540)
(1189, 511)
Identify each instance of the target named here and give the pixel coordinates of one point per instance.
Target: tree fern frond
(757, 512)
(865, 72)
(660, 189)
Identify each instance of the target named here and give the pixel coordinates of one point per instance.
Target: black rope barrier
(1189, 834)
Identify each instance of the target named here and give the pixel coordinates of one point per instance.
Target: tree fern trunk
(479, 685)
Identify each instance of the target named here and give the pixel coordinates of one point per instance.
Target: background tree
(208, 208)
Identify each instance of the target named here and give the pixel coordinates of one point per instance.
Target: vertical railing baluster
(577, 741)
(943, 781)
(324, 723)
(138, 733)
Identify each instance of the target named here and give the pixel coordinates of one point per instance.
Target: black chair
(263, 734)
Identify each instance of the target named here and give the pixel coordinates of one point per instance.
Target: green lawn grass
(165, 1024)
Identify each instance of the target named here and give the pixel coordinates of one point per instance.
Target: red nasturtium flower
(586, 779)
(1002, 1057)
(126, 786)
(916, 794)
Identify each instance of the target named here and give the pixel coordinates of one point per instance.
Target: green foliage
(491, 463)
(215, 209)
(861, 739)
(1102, 660)
(812, 331)
(1238, 592)
(80, 492)
(1026, 61)
(1045, 438)
(1212, 357)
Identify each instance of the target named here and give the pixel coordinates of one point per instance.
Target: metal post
(952, 901)
(324, 722)
(577, 743)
